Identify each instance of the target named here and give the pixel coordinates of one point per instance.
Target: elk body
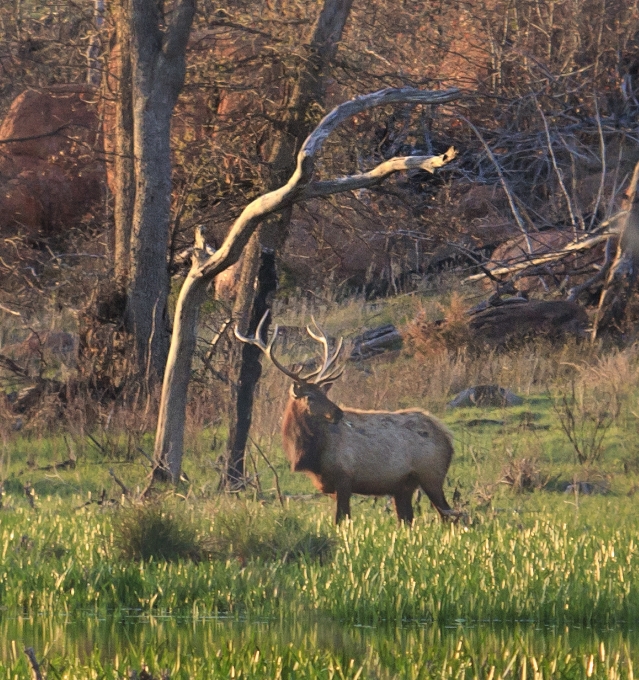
(346, 451)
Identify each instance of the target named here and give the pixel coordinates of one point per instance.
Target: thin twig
(9, 311)
(556, 168)
(119, 482)
(97, 444)
(502, 179)
(273, 470)
(145, 454)
(602, 150)
(51, 133)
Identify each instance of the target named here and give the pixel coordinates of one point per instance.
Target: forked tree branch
(299, 186)
(205, 266)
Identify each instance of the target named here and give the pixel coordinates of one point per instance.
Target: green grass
(544, 561)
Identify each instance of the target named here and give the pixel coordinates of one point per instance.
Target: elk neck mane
(305, 438)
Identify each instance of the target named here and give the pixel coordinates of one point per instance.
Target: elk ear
(297, 391)
(326, 387)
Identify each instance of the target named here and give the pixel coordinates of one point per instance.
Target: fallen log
(552, 319)
(375, 341)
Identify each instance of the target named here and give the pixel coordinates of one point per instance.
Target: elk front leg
(343, 496)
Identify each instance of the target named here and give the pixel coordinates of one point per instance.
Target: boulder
(486, 396)
(517, 250)
(52, 175)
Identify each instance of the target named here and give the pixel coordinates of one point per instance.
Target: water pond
(124, 645)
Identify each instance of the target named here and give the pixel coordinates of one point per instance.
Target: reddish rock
(53, 177)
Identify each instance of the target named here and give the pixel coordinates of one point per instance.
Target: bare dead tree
(300, 187)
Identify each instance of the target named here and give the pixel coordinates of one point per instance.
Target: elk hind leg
(435, 493)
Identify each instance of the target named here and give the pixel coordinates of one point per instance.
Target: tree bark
(158, 69)
(124, 170)
(169, 438)
(254, 297)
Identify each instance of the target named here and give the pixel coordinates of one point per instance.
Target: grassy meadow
(537, 579)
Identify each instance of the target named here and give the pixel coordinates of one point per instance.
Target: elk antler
(326, 373)
(268, 348)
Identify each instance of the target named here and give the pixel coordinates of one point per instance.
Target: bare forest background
(546, 130)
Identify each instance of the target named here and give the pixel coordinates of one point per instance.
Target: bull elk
(346, 450)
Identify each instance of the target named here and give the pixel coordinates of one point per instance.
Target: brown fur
(346, 451)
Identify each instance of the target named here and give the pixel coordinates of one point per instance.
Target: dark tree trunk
(250, 371)
(309, 91)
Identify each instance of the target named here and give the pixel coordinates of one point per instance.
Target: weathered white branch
(273, 201)
(575, 247)
(378, 174)
(170, 429)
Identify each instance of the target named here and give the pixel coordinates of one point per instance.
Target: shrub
(270, 535)
(523, 474)
(154, 531)
(426, 337)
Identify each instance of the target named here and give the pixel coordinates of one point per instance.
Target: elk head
(308, 391)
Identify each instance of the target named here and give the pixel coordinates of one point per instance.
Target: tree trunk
(158, 69)
(249, 368)
(309, 91)
(123, 162)
(171, 416)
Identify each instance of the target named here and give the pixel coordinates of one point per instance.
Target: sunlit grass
(546, 563)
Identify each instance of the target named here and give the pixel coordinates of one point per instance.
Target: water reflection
(86, 637)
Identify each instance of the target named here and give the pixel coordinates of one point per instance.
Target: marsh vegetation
(538, 575)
